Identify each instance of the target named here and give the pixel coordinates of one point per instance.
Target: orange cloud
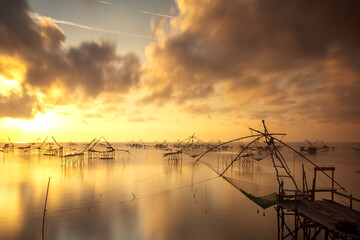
(286, 60)
(83, 72)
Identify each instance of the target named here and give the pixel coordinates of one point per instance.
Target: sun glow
(41, 123)
(11, 75)
(8, 86)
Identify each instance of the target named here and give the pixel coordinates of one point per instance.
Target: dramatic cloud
(268, 58)
(22, 106)
(86, 71)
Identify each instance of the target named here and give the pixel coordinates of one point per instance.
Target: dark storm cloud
(19, 106)
(87, 70)
(97, 68)
(266, 54)
(17, 30)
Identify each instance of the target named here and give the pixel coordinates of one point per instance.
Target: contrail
(38, 16)
(157, 14)
(105, 2)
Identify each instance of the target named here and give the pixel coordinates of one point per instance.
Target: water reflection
(173, 200)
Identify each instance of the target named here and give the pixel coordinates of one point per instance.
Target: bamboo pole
(236, 158)
(44, 214)
(251, 136)
(297, 152)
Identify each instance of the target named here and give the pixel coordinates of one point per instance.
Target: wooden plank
(320, 213)
(339, 210)
(326, 168)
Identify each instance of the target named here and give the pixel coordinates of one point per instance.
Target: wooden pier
(313, 218)
(300, 215)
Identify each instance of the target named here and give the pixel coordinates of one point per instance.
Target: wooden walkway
(337, 219)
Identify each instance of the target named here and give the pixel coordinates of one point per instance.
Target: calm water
(146, 197)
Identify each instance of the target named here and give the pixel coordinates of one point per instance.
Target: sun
(41, 123)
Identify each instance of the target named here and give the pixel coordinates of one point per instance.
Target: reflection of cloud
(37, 16)
(290, 58)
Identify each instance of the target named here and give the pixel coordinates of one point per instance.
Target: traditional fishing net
(256, 180)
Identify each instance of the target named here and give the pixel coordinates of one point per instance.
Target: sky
(165, 69)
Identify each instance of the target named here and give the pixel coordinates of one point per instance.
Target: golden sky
(131, 70)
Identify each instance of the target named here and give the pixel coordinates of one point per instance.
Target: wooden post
(282, 223)
(43, 223)
(278, 221)
(326, 234)
(296, 226)
(281, 191)
(313, 186)
(332, 184)
(303, 178)
(351, 200)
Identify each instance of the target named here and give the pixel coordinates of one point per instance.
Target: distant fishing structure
(139, 144)
(163, 145)
(313, 148)
(70, 154)
(27, 148)
(51, 148)
(101, 150)
(8, 147)
(192, 146)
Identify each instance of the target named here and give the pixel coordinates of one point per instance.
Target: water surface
(147, 197)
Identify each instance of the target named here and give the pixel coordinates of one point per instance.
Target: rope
(126, 185)
(135, 198)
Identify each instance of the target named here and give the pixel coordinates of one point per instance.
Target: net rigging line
(303, 156)
(251, 183)
(126, 185)
(135, 198)
(263, 201)
(236, 139)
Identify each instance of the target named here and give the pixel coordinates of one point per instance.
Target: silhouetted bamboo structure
(76, 158)
(312, 216)
(28, 147)
(47, 148)
(8, 147)
(101, 150)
